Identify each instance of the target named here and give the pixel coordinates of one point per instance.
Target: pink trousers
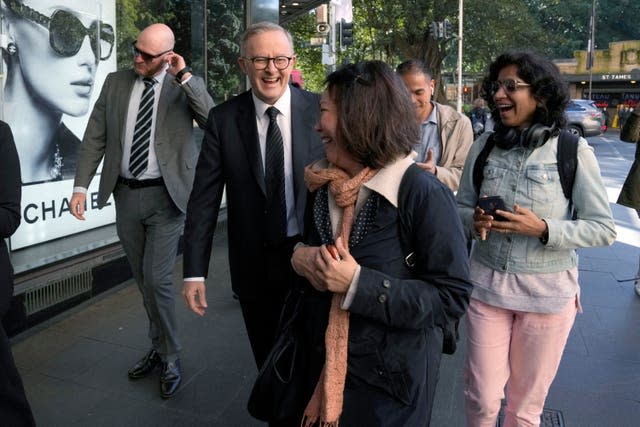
(518, 349)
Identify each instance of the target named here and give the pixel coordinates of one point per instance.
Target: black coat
(395, 335)
(14, 408)
(10, 193)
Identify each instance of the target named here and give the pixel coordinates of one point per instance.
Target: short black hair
(414, 66)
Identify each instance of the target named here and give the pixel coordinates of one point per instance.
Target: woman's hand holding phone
(486, 213)
(491, 204)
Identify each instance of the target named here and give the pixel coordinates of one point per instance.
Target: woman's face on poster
(59, 63)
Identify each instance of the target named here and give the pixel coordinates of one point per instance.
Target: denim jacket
(529, 177)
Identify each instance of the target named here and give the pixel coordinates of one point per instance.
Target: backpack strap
(406, 183)
(567, 158)
(478, 165)
(450, 334)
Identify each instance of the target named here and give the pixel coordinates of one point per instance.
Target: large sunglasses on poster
(67, 32)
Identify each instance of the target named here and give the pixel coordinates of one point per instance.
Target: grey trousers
(149, 227)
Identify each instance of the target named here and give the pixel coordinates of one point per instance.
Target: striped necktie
(274, 177)
(142, 132)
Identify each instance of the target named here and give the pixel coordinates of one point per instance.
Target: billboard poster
(56, 55)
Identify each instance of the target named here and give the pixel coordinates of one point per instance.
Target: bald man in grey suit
(142, 125)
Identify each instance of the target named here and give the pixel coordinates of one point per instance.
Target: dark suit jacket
(10, 193)
(231, 156)
(175, 148)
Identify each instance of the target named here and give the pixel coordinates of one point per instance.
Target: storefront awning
(608, 78)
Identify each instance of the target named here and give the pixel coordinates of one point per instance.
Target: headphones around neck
(533, 137)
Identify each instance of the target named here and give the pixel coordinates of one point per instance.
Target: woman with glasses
(381, 294)
(524, 265)
(51, 56)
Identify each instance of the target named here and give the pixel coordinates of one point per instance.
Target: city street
(74, 366)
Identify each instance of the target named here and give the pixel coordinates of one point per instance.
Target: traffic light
(346, 34)
(433, 30)
(447, 30)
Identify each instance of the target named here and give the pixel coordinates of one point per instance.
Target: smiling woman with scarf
(374, 324)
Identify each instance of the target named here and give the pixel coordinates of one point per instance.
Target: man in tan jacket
(445, 135)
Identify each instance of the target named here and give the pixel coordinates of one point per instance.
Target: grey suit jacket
(175, 147)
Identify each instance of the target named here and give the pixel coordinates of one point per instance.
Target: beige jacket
(456, 135)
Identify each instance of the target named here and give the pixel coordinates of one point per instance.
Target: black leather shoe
(170, 379)
(145, 365)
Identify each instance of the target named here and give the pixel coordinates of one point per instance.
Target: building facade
(614, 80)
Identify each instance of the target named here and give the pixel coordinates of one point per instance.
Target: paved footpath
(74, 366)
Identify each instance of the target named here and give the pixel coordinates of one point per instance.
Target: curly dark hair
(547, 86)
(374, 113)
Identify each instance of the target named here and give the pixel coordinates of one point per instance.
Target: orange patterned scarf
(325, 405)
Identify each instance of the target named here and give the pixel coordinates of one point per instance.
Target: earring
(12, 48)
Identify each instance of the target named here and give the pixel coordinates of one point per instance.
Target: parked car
(584, 118)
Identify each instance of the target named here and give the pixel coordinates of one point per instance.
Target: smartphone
(489, 204)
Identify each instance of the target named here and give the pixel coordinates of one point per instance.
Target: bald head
(156, 38)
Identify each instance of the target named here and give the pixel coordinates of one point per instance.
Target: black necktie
(274, 177)
(142, 132)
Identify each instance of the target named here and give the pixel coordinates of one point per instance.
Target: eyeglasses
(146, 57)
(262, 62)
(509, 85)
(67, 32)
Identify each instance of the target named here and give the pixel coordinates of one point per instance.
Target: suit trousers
(261, 311)
(149, 226)
(14, 407)
(519, 349)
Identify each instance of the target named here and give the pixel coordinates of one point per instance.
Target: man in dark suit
(238, 152)
(142, 124)
(14, 408)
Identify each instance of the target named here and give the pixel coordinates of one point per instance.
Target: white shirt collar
(283, 104)
(387, 181)
(158, 77)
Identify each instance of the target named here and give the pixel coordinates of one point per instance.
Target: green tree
(616, 20)
(224, 23)
(309, 58)
(399, 30)
(393, 31)
(224, 29)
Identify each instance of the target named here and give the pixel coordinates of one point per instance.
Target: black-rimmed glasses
(146, 57)
(67, 32)
(262, 62)
(509, 85)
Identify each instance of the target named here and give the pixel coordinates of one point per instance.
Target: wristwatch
(544, 238)
(181, 73)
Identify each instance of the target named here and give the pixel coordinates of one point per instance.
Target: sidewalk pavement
(75, 366)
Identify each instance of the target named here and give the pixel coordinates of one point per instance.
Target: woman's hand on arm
(304, 262)
(321, 268)
(337, 274)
